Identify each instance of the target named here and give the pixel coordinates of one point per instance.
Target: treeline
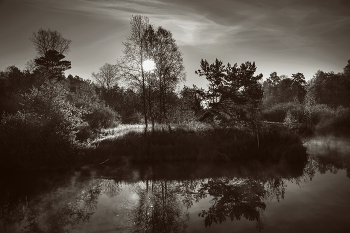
(49, 120)
(321, 104)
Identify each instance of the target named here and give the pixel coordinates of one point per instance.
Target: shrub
(278, 112)
(335, 122)
(43, 133)
(102, 117)
(318, 112)
(85, 133)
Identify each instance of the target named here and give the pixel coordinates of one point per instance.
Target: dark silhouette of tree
(52, 64)
(330, 89)
(282, 89)
(169, 69)
(298, 86)
(134, 56)
(270, 87)
(157, 87)
(233, 92)
(347, 69)
(13, 83)
(45, 40)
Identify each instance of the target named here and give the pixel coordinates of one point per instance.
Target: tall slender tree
(157, 87)
(134, 55)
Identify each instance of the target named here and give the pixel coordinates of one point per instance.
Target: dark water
(309, 197)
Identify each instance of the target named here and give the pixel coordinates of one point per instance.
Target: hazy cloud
(289, 35)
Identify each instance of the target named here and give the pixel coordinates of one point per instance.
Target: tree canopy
(52, 63)
(231, 88)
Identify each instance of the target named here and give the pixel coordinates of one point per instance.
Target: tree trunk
(144, 93)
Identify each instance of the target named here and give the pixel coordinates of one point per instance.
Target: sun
(148, 65)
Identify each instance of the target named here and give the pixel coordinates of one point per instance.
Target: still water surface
(254, 197)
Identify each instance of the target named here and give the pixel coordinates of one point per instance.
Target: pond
(186, 197)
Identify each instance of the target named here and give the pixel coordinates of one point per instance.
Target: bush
(334, 122)
(43, 133)
(85, 133)
(102, 117)
(278, 112)
(319, 112)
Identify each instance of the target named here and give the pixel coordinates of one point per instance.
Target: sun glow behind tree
(148, 65)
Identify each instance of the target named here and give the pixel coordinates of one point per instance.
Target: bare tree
(45, 40)
(108, 76)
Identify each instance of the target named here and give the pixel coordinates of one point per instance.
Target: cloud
(277, 25)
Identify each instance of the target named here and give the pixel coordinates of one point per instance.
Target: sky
(286, 36)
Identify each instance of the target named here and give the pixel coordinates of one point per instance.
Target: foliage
(13, 82)
(52, 63)
(282, 89)
(102, 117)
(82, 93)
(86, 133)
(336, 122)
(330, 89)
(125, 102)
(278, 112)
(347, 69)
(184, 107)
(47, 122)
(233, 92)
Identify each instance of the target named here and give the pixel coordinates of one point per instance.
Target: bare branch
(45, 40)
(108, 75)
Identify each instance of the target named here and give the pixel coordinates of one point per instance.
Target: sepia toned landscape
(156, 141)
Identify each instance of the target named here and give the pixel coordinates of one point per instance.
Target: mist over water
(328, 145)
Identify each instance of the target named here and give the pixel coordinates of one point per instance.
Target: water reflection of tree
(243, 196)
(59, 209)
(159, 208)
(333, 163)
(158, 205)
(69, 209)
(234, 198)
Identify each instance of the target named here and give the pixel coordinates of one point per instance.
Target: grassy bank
(129, 144)
(200, 144)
